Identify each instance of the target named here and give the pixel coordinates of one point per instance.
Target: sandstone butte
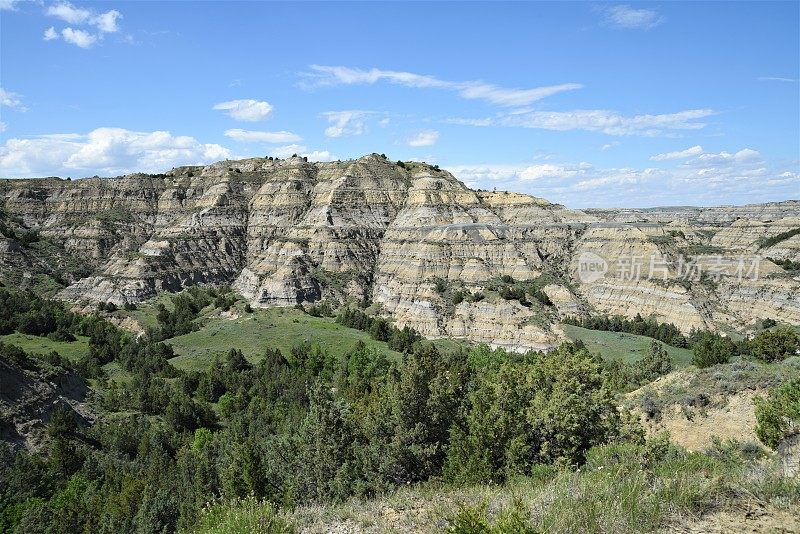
(406, 237)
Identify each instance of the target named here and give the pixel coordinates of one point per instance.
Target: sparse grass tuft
(242, 516)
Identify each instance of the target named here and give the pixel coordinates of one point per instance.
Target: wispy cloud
(322, 75)
(776, 79)
(8, 5)
(425, 138)
(266, 137)
(706, 178)
(247, 110)
(624, 16)
(595, 120)
(11, 100)
(681, 154)
(609, 146)
(344, 123)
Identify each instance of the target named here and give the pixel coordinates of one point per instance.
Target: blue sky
(587, 104)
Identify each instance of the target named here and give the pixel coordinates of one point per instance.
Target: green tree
(549, 408)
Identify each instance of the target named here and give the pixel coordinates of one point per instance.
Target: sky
(585, 104)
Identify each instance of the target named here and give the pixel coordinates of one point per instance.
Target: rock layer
(405, 236)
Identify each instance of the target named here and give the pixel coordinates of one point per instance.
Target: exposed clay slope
(289, 231)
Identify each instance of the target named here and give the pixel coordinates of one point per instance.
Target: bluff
(409, 238)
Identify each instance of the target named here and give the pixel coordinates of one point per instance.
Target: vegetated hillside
(428, 252)
(621, 488)
(31, 389)
(363, 426)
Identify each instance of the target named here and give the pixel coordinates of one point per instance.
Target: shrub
(769, 241)
(243, 515)
(778, 416)
(440, 285)
(656, 363)
(322, 309)
(711, 349)
(775, 345)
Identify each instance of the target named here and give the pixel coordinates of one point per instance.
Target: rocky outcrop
(30, 391)
(408, 237)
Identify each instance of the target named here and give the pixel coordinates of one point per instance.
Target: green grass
(620, 346)
(252, 333)
(145, 312)
(35, 344)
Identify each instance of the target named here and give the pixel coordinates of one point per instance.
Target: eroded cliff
(408, 237)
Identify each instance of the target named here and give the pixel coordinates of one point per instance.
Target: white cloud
(624, 16)
(547, 170)
(425, 138)
(11, 100)
(706, 179)
(8, 5)
(78, 37)
(681, 154)
(104, 151)
(266, 137)
(596, 120)
(519, 173)
(776, 79)
(320, 155)
(69, 13)
(107, 22)
(287, 151)
(743, 155)
(323, 75)
(104, 22)
(3, 126)
(290, 150)
(615, 178)
(345, 123)
(246, 110)
(383, 123)
(513, 97)
(50, 34)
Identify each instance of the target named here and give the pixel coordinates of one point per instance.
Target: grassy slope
(35, 344)
(620, 489)
(621, 346)
(252, 333)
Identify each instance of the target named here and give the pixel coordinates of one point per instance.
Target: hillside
(410, 238)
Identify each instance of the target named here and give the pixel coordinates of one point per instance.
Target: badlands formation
(404, 237)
